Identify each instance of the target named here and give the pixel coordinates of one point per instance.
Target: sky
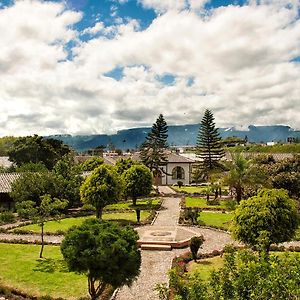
(98, 66)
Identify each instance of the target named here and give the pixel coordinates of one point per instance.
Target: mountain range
(179, 135)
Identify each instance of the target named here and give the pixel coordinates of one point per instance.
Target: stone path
(166, 190)
(155, 264)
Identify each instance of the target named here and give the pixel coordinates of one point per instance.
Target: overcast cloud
(242, 62)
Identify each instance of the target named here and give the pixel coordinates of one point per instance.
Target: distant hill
(178, 135)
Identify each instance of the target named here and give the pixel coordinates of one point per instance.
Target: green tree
(41, 211)
(6, 143)
(32, 167)
(243, 175)
(137, 182)
(36, 149)
(123, 164)
(208, 146)
(101, 188)
(270, 217)
(91, 164)
(153, 150)
(31, 186)
(67, 180)
(105, 253)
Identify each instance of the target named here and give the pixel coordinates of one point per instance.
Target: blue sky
(97, 66)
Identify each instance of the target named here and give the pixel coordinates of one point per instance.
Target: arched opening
(178, 173)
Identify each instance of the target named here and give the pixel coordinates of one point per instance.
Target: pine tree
(209, 142)
(152, 151)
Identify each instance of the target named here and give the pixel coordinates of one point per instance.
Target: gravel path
(155, 264)
(53, 239)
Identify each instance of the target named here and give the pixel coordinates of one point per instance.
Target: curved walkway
(155, 264)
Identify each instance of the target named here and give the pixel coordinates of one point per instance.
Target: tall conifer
(153, 149)
(208, 147)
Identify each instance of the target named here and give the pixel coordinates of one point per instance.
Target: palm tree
(243, 174)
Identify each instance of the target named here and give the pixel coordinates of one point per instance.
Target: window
(178, 173)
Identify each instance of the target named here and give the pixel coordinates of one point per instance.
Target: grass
(201, 202)
(196, 189)
(205, 266)
(141, 204)
(215, 219)
(22, 270)
(191, 189)
(64, 224)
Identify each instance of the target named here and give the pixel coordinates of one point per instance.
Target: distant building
(6, 180)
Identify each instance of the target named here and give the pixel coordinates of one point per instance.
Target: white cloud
(162, 6)
(98, 27)
(240, 59)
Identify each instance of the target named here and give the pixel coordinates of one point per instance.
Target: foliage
(101, 188)
(137, 182)
(153, 149)
(32, 167)
(67, 180)
(179, 183)
(123, 164)
(6, 143)
(244, 275)
(258, 148)
(248, 276)
(209, 143)
(40, 212)
(36, 149)
(63, 183)
(195, 243)
(104, 253)
(191, 215)
(282, 174)
(270, 217)
(243, 176)
(30, 186)
(162, 290)
(7, 217)
(91, 164)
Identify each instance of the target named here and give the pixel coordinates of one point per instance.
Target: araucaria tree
(153, 150)
(106, 253)
(101, 188)
(209, 148)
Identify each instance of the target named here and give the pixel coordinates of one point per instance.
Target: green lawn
(196, 189)
(65, 224)
(191, 189)
(23, 270)
(205, 266)
(201, 202)
(141, 204)
(215, 219)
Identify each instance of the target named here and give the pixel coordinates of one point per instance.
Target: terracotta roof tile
(6, 179)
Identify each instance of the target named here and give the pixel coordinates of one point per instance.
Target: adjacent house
(6, 179)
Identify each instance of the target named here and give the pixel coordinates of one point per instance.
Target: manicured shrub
(195, 243)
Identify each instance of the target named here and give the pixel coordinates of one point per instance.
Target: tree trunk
(99, 213)
(95, 292)
(42, 237)
(134, 200)
(238, 194)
